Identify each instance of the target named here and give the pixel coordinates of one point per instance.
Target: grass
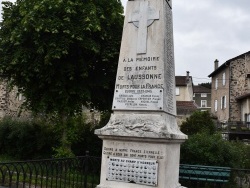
(6, 158)
(69, 180)
(44, 174)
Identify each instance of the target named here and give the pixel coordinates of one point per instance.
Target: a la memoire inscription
(139, 84)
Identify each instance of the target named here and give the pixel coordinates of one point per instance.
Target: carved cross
(142, 19)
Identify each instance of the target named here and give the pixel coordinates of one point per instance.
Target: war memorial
(141, 142)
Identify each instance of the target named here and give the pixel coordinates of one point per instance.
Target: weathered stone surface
(164, 151)
(153, 69)
(238, 87)
(236, 84)
(11, 102)
(143, 125)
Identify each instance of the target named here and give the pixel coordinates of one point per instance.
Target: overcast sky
(205, 30)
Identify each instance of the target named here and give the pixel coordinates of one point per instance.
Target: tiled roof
(186, 107)
(201, 89)
(245, 95)
(181, 80)
(227, 63)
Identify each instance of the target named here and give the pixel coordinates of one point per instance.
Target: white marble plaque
(138, 99)
(133, 171)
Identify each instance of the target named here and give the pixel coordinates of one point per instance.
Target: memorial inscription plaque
(133, 170)
(139, 85)
(139, 99)
(134, 151)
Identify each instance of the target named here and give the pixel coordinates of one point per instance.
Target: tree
(61, 54)
(207, 85)
(198, 122)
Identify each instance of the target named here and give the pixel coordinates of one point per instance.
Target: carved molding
(142, 125)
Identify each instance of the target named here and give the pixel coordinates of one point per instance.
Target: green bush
(243, 153)
(205, 149)
(26, 139)
(88, 140)
(41, 137)
(198, 122)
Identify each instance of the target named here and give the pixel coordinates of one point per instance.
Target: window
(216, 83)
(19, 96)
(224, 79)
(203, 95)
(215, 105)
(223, 102)
(177, 91)
(203, 103)
(247, 117)
(194, 95)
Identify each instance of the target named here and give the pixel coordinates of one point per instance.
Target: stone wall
(3, 93)
(238, 85)
(245, 109)
(11, 101)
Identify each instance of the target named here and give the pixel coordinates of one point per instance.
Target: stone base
(149, 125)
(99, 186)
(166, 152)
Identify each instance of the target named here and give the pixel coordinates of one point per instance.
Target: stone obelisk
(141, 142)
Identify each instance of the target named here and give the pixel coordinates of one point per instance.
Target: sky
(205, 30)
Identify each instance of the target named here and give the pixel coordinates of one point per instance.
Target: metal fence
(197, 176)
(234, 126)
(79, 172)
(84, 172)
(235, 130)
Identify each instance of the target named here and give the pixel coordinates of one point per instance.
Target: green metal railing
(213, 177)
(78, 172)
(84, 172)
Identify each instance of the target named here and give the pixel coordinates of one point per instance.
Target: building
(202, 97)
(184, 97)
(231, 93)
(184, 88)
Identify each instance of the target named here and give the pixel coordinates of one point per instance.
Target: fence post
(86, 168)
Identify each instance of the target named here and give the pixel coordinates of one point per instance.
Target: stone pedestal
(165, 152)
(141, 142)
(145, 137)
